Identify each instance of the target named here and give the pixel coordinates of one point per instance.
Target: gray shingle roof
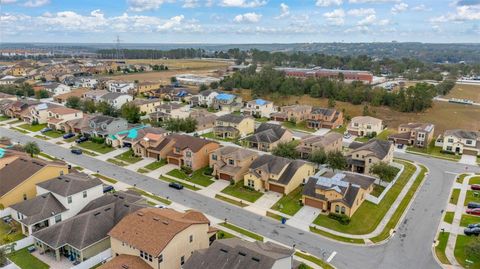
(270, 163)
(267, 133)
(70, 184)
(233, 118)
(465, 134)
(380, 148)
(39, 208)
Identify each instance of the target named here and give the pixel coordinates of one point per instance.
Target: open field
(466, 91)
(183, 63)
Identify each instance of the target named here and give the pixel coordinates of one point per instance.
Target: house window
(343, 210)
(160, 258)
(231, 162)
(469, 142)
(191, 238)
(337, 209)
(85, 194)
(369, 160)
(251, 183)
(69, 199)
(369, 127)
(450, 140)
(214, 157)
(58, 218)
(182, 260)
(189, 154)
(141, 253)
(449, 148)
(24, 196)
(19, 216)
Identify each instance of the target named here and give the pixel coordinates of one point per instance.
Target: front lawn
(33, 128)
(262, 119)
(99, 148)
(177, 173)
(4, 118)
(117, 162)
(289, 204)
(454, 196)
(302, 126)
(53, 134)
(440, 248)
(155, 165)
(243, 231)
(151, 196)
(128, 157)
(323, 264)
(385, 133)
(188, 186)
(10, 232)
(434, 151)
(448, 217)
(25, 260)
(241, 192)
(362, 139)
(230, 201)
(472, 196)
(474, 180)
(469, 219)
(198, 177)
(461, 252)
(341, 130)
(109, 180)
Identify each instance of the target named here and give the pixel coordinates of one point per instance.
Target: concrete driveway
(304, 217)
(468, 159)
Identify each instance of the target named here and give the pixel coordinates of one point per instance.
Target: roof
(70, 184)
(207, 92)
(124, 261)
(267, 133)
(63, 110)
(236, 153)
(75, 92)
(225, 96)
(235, 253)
(140, 101)
(233, 118)
(366, 120)
(426, 127)
(39, 208)
(465, 134)
(380, 148)
(193, 143)
(113, 95)
(169, 106)
(323, 111)
(20, 170)
(96, 93)
(324, 140)
(152, 229)
(259, 102)
(270, 163)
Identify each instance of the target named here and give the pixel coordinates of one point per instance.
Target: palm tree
(32, 148)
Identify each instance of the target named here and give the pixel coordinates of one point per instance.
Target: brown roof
(63, 110)
(191, 142)
(124, 261)
(76, 92)
(151, 229)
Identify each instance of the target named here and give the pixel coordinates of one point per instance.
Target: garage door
(224, 176)
(469, 152)
(173, 161)
(313, 203)
(276, 188)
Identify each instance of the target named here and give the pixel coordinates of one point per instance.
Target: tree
(32, 148)
(384, 171)
(187, 125)
(286, 150)
(173, 79)
(88, 106)
(214, 85)
(331, 102)
(73, 102)
(203, 87)
(41, 94)
(336, 160)
(106, 109)
(318, 156)
(130, 112)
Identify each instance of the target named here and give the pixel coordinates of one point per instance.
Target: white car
(160, 206)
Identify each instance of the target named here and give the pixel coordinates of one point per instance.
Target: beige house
(170, 111)
(259, 108)
(362, 156)
(160, 238)
(296, 113)
(365, 126)
(459, 141)
(233, 126)
(205, 120)
(330, 142)
(147, 86)
(278, 174)
(415, 134)
(147, 106)
(267, 136)
(231, 163)
(59, 115)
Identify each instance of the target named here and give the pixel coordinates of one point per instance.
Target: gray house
(102, 126)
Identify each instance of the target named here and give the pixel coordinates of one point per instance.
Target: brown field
(444, 115)
(184, 63)
(471, 92)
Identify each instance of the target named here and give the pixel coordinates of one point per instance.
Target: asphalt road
(409, 248)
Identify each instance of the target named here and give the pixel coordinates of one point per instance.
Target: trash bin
(284, 220)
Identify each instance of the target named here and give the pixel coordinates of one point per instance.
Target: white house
(56, 88)
(120, 86)
(259, 108)
(116, 99)
(85, 82)
(8, 80)
(204, 98)
(461, 142)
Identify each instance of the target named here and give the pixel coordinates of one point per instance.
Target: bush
(97, 140)
(232, 182)
(187, 170)
(208, 171)
(343, 219)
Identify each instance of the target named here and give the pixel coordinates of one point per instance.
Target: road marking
(453, 173)
(331, 256)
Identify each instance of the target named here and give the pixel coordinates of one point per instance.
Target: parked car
(347, 135)
(473, 205)
(475, 187)
(108, 188)
(476, 225)
(46, 129)
(81, 140)
(474, 211)
(76, 151)
(175, 185)
(160, 206)
(400, 146)
(69, 135)
(472, 231)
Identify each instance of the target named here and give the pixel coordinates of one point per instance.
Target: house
(237, 253)
(120, 86)
(278, 174)
(19, 176)
(340, 193)
(227, 102)
(362, 156)
(102, 126)
(205, 120)
(295, 113)
(58, 115)
(414, 134)
(204, 98)
(9, 80)
(38, 113)
(267, 136)
(259, 108)
(460, 141)
(231, 163)
(147, 106)
(192, 79)
(178, 95)
(147, 86)
(365, 126)
(76, 125)
(19, 108)
(233, 126)
(116, 99)
(57, 199)
(6, 96)
(170, 111)
(56, 88)
(85, 82)
(329, 142)
(190, 151)
(62, 98)
(132, 136)
(86, 234)
(95, 95)
(160, 238)
(324, 118)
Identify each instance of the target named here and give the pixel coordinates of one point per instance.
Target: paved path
(304, 218)
(162, 171)
(140, 164)
(111, 154)
(264, 203)
(214, 188)
(468, 159)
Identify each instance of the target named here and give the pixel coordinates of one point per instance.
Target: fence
(11, 265)
(377, 200)
(100, 257)
(22, 243)
(5, 212)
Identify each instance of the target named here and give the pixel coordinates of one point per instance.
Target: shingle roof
(290, 171)
(366, 120)
(323, 111)
(465, 134)
(193, 143)
(380, 148)
(270, 163)
(70, 184)
(235, 153)
(39, 208)
(233, 118)
(267, 133)
(113, 95)
(124, 261)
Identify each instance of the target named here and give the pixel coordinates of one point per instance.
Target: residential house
(58, 115)
(130, 137)
(38, 113)
(160, 238)
(341, 193)
(85, 82)
(324, 118)
(259, 108)
(233, 126)
(19, 176)
(147, 86)
(116, 99)
(365, 126)
(237, 253)
(102, 126)
(76, 125)
(362, 156)
(267, 136)
(55, 88)
(120, 86)
(414, 134)
(329, 142)
(86, 234)
(6, 96)
(278, 174)
(19, 108)
(179, 95)
(147, 106)
(9, 80)
(62, 98)
(204, 98)
(227, 102)
(170, 111)
(460, 141)
(190, 151)
(231, 163)
(57, 199)
(95, 95)
(295, 113)
(205, 120)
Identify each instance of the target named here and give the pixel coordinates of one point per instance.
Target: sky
(240, 21)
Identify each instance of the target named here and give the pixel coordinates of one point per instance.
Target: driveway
(264, 203)
(304, 217)
(214, 188)
(468, 159)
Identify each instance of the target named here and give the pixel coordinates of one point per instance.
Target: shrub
(208, 171)
(232, 182)
(343, 219)
(187, 170)
(98, 140)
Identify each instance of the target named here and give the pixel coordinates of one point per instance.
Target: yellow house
(362, 156)
(147, 106)
(18, 178)
(233, 126)
(147, 86)
(18, 71)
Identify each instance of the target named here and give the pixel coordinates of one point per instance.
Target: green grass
(274, 216)
(262, 119)
(440, 248)
(471, 197)
(99, 148)
(461, 254)
(289, 204)
(6, 236)
(90, 153)
(4, 118)
(454, 196)
(128, 157)
(369, 215)
(152, 196)
(243, 231)
(460, 178)
(448, 217)
(20, 130)
(142, 171)
(178, 174)
(109, 180)
(385, 133)
(377, 190)
(78, 168)
(23, 259)
(45, 155)
(323, 264)
(155, 165)
(33, 128)
(117, 162)
(230, 201)
(301, 126)
(71, 139)
(337, 237)
(240, 192)
(188, 186)
(197, 178)
(53, 134)
(469, 219)
(41, 137)
(434, 151)
(221, 234)
(341, 130)
(474, 180)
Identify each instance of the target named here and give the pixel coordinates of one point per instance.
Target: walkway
(263, 204)
(304, 218)
(111, 154)
(214, 188)
(140, 164)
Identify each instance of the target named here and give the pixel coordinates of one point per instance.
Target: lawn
(117, 162)
(188, 186)
(178, 174)
(461, 253)
(369, 215)
(289, 204)
(323, 264)
(448, 217)
(4, 118)
(198, 177)
(239, 191)
(474, 180)
(472, 196)
(86, 151)
(110, 180)
(100, 148)
(454, 196)
(230, 201)
(302, 126)
(45, 155)
(460, 178)
(243, 231)
(53, 134)
(155, 165)
(143, 171)
(385, 133)
(273, 216)
(262, 119)
(341, 130)
(440, 248)
(152, 196)
(434, 151)
(41, 137)
(469, 219)
(20, 130)
(337, 237)
(128, 157)
(224, 235)
(377, 190)
(15, 235)
(362, 139)
(25, 260)
(33, 128)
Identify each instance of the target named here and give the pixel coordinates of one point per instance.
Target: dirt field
(471, 92)
(184, 63)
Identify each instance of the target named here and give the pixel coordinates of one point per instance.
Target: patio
(49, 258)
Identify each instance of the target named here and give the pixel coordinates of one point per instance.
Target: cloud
(399, 8)
(335, 17)
(468, 2)
(421, 7)
(251, 17)
(360, 12)
(243, 3)
(285, 11)
(372, 1)
(327, 3)
(6, 2)
(190, 3)
(144, 5)
(369, 20)
(171, 23)
(36, 3)
(462, 13)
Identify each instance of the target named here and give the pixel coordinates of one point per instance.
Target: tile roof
(39, 208)
(70, 184)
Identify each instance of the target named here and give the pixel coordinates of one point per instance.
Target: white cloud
(327, 3)
(372, 1)
(251, 17)
(399, 8)
(243, 3)
(335, 17)
(144, 5)
(462, 13)
(285, 11)
(5, 2)
(369, 20)
(36, 3)
(171, 23)
(421, 7)
(360, 12)
(190, 3)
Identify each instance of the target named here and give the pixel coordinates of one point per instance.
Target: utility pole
(117, 48)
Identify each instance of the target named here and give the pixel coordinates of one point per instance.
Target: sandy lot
(471, 92)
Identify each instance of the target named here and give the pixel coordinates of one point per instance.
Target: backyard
(289, 204)
(10, 232)
(25, 260)
(211, 135)
(302, 126)
(239, 191)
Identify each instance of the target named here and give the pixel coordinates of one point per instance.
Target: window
(450, 140)
(251, 183)
(469, 142)
(69, 199)
(231, 162)
(24, 196)
(85, 194)
(369, 127)
(182, 260)
(449, 148)
(58, 218)
(191, 238)
(369, 160)
(19, 216)
(141, 253)
(337, 209)
(214, 157)
(343, 210)
(189, 154)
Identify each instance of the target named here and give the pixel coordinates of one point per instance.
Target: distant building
(191, 79)
(416, 134)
